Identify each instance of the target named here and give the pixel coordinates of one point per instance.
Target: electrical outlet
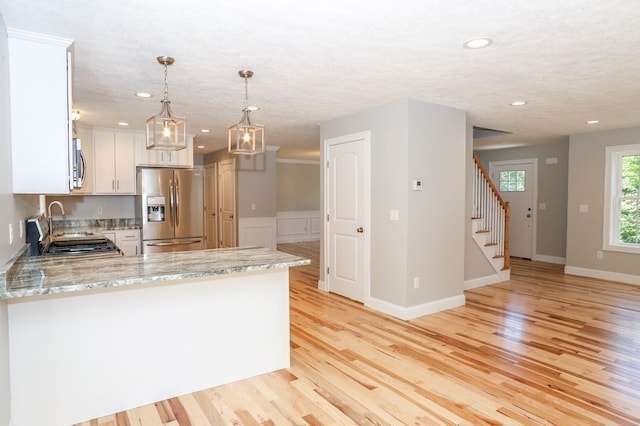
(416, 282)
(599, 254)
(99, 210)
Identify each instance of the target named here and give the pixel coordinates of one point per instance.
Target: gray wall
(257, 185)
(298, 187)
(255, 180)
(413, 140)
(552, 191)
(586, 186)
(89, 206)
(13, 209)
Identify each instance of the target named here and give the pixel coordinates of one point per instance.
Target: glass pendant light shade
(246, 137)
(164, 130)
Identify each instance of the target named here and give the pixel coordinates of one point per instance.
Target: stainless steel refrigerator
(172, 207)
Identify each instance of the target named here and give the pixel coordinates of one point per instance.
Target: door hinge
(327, 164)
(327, 270)
(327, 218)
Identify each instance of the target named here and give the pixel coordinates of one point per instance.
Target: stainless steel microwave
(78, 164)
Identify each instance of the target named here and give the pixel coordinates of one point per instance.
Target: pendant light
(164, 131)
(246, 137)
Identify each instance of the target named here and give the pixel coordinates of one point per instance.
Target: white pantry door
(227, 203)
(347, 215)
(516, 182)
(211, 205)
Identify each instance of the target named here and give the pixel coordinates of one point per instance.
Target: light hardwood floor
(541, 349)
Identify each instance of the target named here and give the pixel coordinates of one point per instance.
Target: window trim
(612, 181)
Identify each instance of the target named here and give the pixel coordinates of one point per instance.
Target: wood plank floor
(541, 349)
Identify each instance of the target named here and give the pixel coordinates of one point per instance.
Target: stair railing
(492, 211)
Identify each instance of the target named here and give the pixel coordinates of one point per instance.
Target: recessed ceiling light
(477, 43)
(593, 121)
(205, 130)
(200, 146)
(122, 123)
(518, 103)
(144, 95)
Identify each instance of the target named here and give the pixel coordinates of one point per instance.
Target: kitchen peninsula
(89, 337)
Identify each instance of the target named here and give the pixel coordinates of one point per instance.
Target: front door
(346, 206)
(227, 203)
(516, 181)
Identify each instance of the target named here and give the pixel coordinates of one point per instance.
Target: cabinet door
(125, 163)
(128, 241)
(40, 94)
(104, 162)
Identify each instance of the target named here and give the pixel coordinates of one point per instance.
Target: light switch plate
(584, 208)
(394, 214)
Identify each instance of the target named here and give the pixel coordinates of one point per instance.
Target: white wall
(413, 140)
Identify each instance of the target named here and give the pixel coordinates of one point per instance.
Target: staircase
(490, 221)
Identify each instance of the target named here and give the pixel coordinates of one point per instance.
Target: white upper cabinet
(158, 158)
(114, 161)
(40, 91)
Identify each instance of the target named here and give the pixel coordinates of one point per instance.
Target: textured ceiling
(572, 61)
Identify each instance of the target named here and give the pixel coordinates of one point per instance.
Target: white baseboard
(297, 238)
(603, 275)
(322, 285)
(482, 281)
(407, 313)
(549, 259)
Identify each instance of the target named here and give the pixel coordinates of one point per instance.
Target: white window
(622, 199)
(512, 181)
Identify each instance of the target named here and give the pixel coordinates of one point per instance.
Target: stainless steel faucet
(59, 204)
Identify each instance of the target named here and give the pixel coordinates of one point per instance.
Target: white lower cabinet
(127, 240)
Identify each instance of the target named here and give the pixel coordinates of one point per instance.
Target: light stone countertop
(26, 276)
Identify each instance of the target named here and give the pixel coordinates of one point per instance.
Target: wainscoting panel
(257, 231)
(298, 226)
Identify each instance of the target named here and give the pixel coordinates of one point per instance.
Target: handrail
(488, 180)
(494, 212)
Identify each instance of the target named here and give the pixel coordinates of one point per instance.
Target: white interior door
(346, 206)
(227, 203)
(516, 183)
(211, 206)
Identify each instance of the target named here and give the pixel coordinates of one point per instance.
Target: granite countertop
(26, 276)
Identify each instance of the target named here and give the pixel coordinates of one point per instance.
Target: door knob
(360, 230)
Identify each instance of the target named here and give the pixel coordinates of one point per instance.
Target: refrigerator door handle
(171, 201)
(174, 243)
(177, 189)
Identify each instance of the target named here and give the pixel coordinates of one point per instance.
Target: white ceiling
(571, 60)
